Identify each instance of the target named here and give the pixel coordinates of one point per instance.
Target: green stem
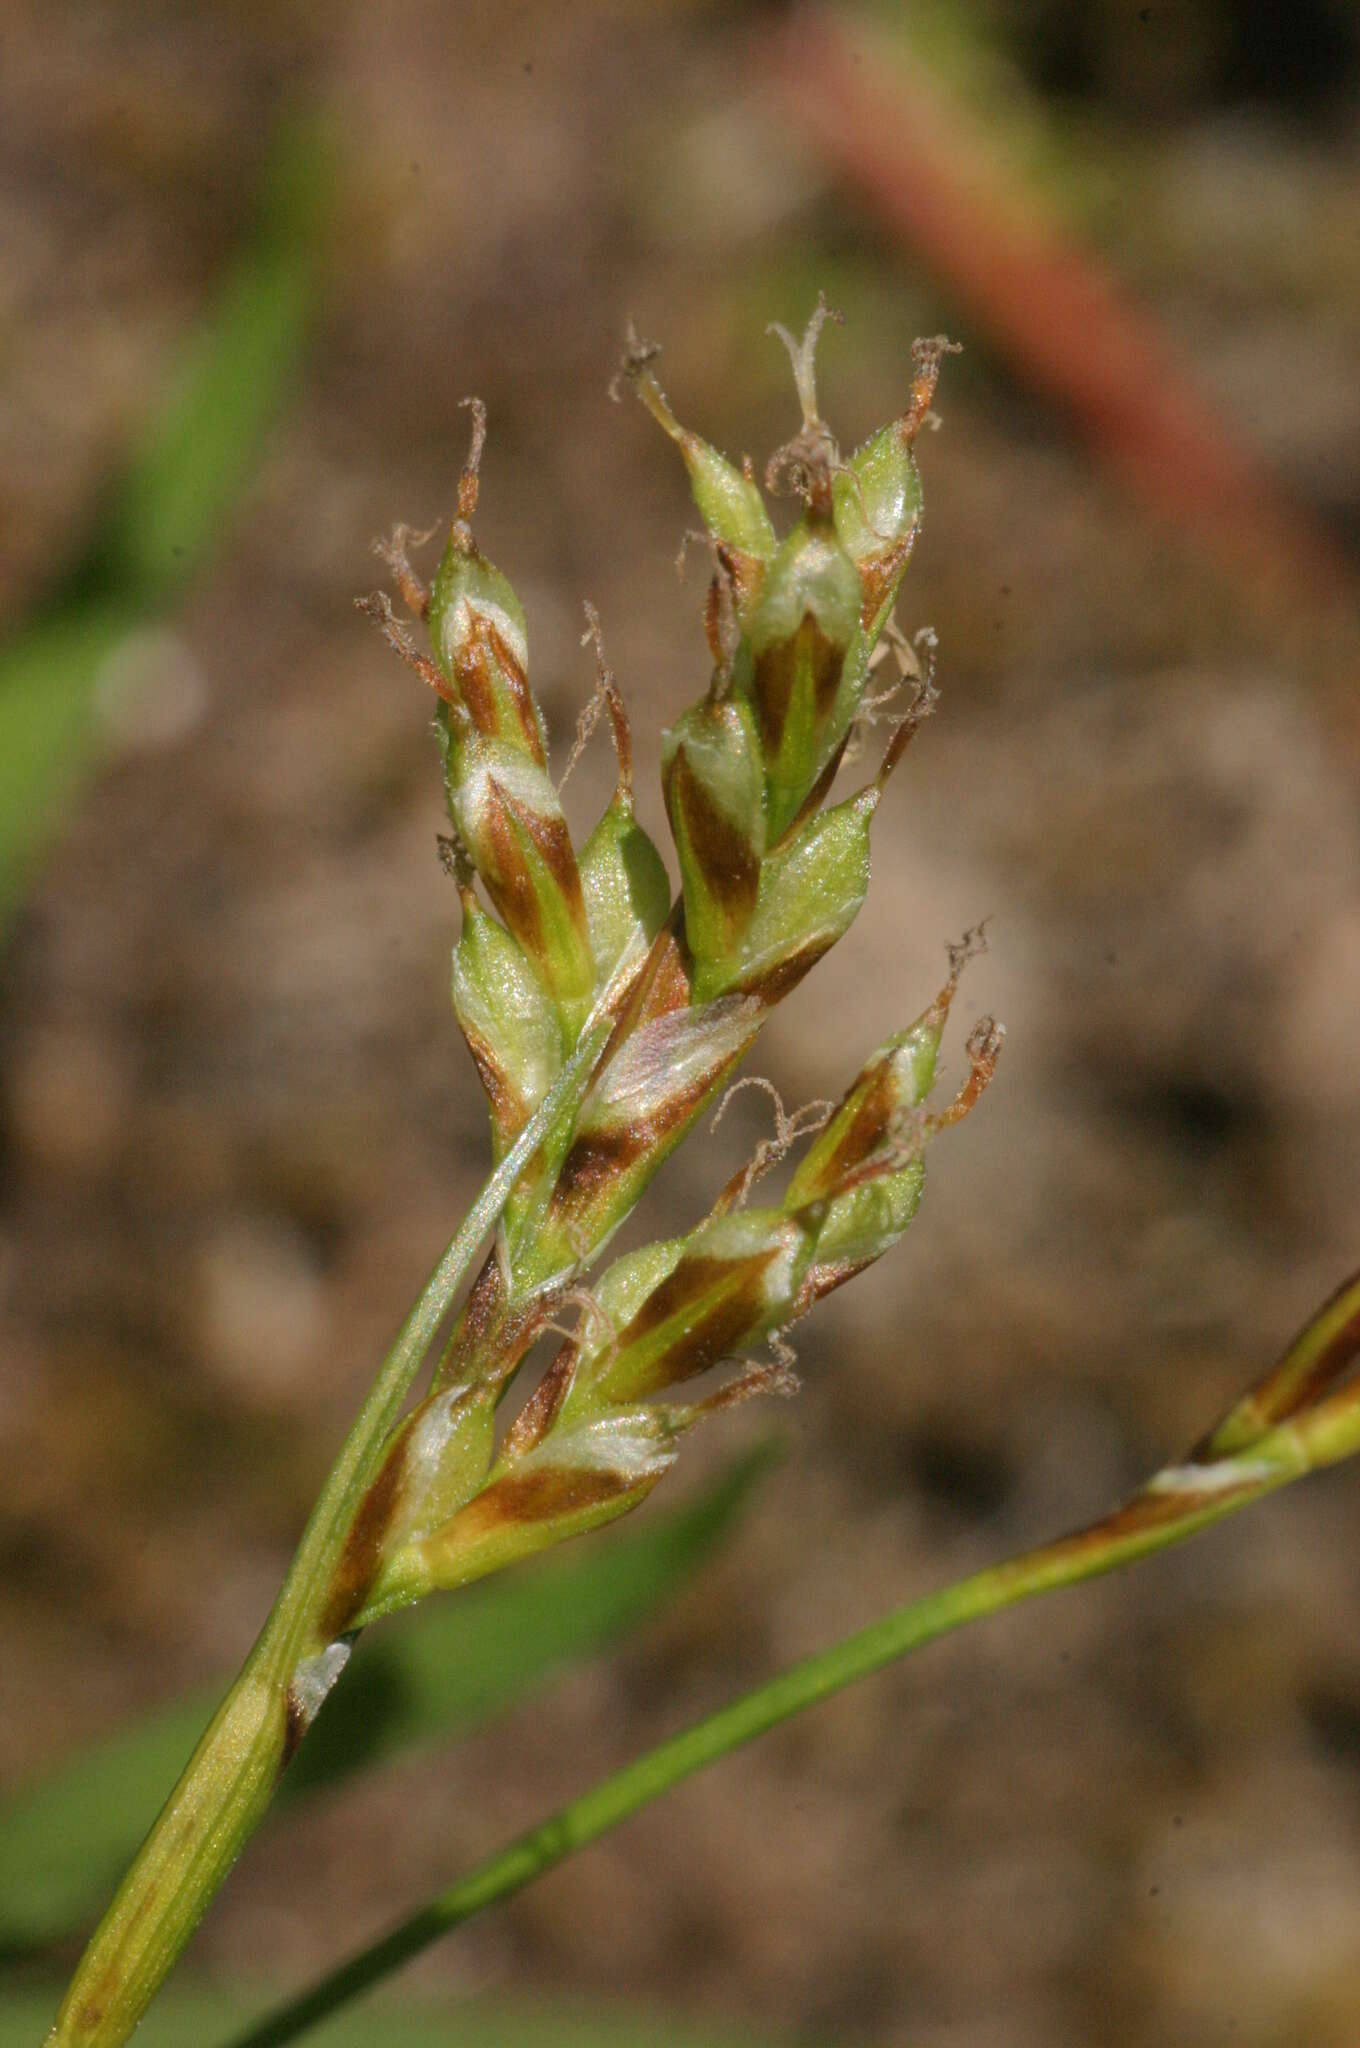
(1174, 1506)
(231, 1777)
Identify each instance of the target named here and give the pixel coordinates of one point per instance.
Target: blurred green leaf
(170, 503)
(46, 683)
(65, 1839)
(180, 2017)
(199, 451)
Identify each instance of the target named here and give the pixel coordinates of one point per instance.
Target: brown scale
(539, 1495)
(866, 1128)
(878, 576)
(595, 1159)
(776, 671)
(776, 982)
(362, 1554)
(505, 871)
(725, 1323)
(540, 1411)
(600, 1157)
(724, 853)
(491, 1335)
(477, 687)
(509, 1111)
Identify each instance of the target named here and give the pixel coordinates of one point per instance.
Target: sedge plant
(604, 1014)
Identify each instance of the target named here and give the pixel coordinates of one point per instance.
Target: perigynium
(603, 1017)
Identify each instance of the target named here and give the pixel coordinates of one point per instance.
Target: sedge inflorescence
(556, 937)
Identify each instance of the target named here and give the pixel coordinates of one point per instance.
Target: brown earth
(238, 1123)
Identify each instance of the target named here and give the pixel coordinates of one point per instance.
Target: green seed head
(626, 888)
(478, 634)
(576, 1480)
(714, 787)
(727, 498)
(810, 893)
(769, 882)
(477, 628)
(807, 668)
(793, 624)
(866, 1168)
(507, 814)
(894, 1081)
(661, 1078)
(876, 495)
(601, 1024)
(737, 1279)
(440, 1458)
(508, 1019)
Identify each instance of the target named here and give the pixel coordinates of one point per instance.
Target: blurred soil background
(237, 1122)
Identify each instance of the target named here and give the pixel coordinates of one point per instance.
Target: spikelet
(769, 881)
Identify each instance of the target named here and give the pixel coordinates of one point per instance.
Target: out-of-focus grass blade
(46, 683)
(64, 1840)
(171, 501)
(181, 2017)
(200, 449)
